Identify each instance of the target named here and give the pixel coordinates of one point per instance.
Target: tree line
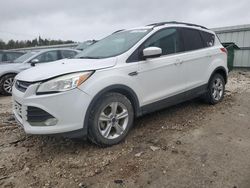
(12, 44)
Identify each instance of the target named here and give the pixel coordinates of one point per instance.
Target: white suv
(123, 76)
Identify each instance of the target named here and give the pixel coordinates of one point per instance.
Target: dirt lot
(189, 145)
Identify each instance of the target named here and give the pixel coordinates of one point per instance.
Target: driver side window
(47, 57)
(167, 39)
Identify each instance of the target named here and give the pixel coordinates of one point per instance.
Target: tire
(107, 126)
(216, 89)
(6, 83)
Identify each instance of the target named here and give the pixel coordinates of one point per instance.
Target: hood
(49, 70)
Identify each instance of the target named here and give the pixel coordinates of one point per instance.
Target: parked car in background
(6, 56)
(82, 46)
(125, 75)
(9, 70)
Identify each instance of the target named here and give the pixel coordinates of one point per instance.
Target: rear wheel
(110, 119)
(216, 89)
(6, 84)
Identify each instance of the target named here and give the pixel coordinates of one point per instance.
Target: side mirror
(152, 52)
(33, 62)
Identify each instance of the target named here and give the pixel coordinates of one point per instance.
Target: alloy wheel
(217, 89)
(113, 120)
(7, 85)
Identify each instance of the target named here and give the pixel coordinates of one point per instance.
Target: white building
(240, 35)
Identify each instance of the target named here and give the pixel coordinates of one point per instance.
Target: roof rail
(174, 22)
(118, 31)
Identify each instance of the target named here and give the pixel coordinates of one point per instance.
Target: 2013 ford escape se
(125, 75)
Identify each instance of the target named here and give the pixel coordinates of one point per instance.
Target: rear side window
(67, 54)
(12, 56)
(208, 38)
(192, 39)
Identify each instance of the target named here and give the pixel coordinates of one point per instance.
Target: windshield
(25, 57)
(84, 45)
(114, 44)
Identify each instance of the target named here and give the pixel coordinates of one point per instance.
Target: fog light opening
(51, 122)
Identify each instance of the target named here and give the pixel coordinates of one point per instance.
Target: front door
(161, 77)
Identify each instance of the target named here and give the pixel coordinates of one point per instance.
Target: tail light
(224, 50)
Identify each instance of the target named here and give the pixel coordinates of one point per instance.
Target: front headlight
(63, 83)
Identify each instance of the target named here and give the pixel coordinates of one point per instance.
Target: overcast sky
(80, 20)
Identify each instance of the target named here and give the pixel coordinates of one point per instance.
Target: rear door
(195, 61)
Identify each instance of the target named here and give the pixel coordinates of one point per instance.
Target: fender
(10, 73)
(125, 90)
(220, 69)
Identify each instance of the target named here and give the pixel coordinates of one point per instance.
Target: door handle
(209, 55)
(178, 62)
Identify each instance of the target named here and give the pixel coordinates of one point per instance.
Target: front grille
(35, 114)
(22, 85)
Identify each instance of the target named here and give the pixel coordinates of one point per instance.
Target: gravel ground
(189, 145)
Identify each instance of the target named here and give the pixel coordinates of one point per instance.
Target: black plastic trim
(152, 56)
(49, 92)
(170, 101)
(220, 69)
(71, 134)
(175, 22)
(35, 114)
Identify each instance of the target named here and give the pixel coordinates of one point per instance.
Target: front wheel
(6, 84)
(110, 119)
(216, 89)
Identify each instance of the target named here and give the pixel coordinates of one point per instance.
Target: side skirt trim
(170, 101)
